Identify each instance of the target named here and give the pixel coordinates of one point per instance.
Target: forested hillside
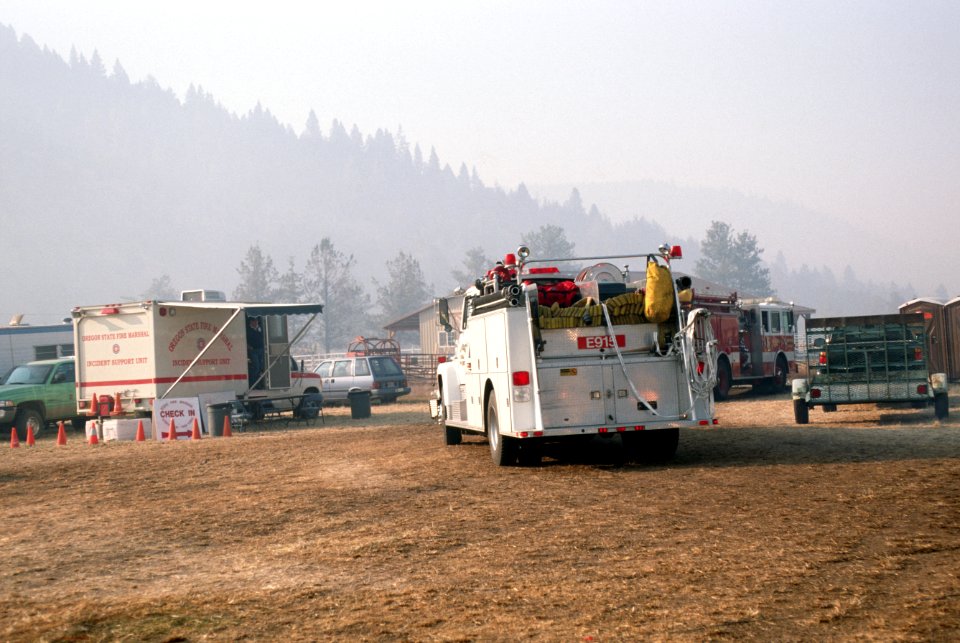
(107, 185)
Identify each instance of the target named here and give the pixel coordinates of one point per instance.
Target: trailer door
(278, 351)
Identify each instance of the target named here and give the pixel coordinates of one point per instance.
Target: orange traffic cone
(93, 437)
(116, 405)
(31, 441)
(227, 433)
(140, 436)
(172, 432)
(195, 435)
(14, 440)
(94, 403)
(61, 434)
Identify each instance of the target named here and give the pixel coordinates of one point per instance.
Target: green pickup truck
(873, 358)
(37, 393)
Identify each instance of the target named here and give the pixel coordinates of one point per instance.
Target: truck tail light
(375, 385)
(823, 358)
(814, 392)
(917, 353)
(521, 386)
(922, 389)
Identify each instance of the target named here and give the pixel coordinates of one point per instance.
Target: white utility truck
(544, 356)
(130, 354)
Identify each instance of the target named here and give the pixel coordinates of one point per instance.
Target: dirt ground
(846, 528)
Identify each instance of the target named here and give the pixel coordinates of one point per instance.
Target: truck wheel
(529, 454)
(662, 444)
(801, 412)
(501, 447)
(28, 418)
(941, 405)
(780, 375)
(452, 436)
(724, 380)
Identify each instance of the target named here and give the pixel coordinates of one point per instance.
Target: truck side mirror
(443, 313)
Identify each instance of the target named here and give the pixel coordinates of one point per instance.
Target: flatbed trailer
(867, 359)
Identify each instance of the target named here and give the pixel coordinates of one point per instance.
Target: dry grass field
(845, 529)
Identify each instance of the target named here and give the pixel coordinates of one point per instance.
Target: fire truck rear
(544, 357)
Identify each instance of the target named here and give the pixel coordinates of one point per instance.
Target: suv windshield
(29, 374)
(384, 366)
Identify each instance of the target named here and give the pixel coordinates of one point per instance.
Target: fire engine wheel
(452, 436)
(780, 375)
(724, 380)
(502, 449)
(801, 412)
(28, 418)
(941, 406)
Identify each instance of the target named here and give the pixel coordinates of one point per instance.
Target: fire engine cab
(545, 356)
(755, 341)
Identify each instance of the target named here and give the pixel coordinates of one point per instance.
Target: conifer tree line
(180, 189)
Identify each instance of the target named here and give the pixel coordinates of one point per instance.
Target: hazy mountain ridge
(121, 182)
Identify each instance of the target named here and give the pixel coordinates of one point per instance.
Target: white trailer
(528, 371)
(135, 353)
(22, 343)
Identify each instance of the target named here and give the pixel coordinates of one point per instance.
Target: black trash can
(215, 415)
(359, 404)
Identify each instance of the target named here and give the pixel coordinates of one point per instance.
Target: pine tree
(289, 285)
(160, 290)
(405, 291)
(550, 241)
(258, 277)
(733, 260)
(346, 307)
(475, 265)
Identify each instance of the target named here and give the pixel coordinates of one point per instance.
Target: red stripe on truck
(165, 380)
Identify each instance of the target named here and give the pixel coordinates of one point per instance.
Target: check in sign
(600, 341)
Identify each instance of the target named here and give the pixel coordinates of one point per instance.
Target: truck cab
(37, 393)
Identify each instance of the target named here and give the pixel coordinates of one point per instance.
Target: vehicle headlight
(7, 404)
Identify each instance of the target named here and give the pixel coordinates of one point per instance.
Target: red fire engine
(755, 341)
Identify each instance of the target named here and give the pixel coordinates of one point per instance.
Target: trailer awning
(250, 308)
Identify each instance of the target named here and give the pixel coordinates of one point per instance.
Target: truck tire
(529, 454)
(781, 374)
(941, 405)
(452, 436)
(724, 380)
(801, 412)
(27, 417)
(662, 444)
(502, 448)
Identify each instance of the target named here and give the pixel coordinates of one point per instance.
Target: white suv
(380, 375)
